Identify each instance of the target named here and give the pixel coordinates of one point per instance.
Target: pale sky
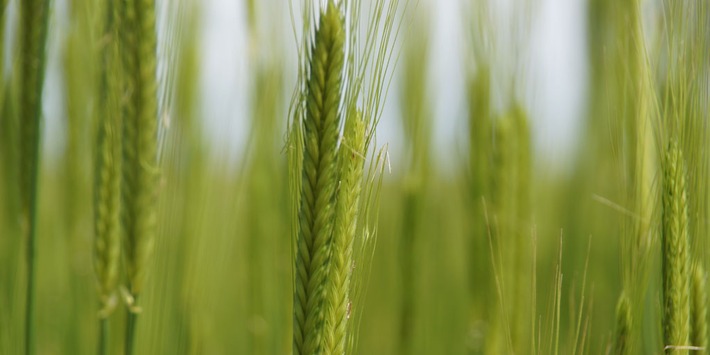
(555, 95)
(556, 83)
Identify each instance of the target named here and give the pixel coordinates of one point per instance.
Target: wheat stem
(416, 125)
(131, 318)
(103, 337)
(521, 216)
(33, 31)
(480, 143)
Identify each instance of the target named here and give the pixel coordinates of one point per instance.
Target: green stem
(33, 29)
(407, 309)
(132, 318)
(103, 336)
(30, 295)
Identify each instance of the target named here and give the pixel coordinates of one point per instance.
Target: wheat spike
(676, 298)
(140, 170)
(140, 137)
(107, 242)
(319, 183)
(351, 163)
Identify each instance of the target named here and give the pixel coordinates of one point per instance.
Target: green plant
(331, 191)
(624, 325)
(450, 274)
(416, 123)
(140, 168)
(351, 160)
(33, 32)
(266, 222)
(699, 309)
(320, 180)
(107, 218)
(676, 273)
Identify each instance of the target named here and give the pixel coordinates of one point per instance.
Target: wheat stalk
(416, 125)
(320, 136)
(676, 298)
(33, 31)
(480, 143)
(520, 227)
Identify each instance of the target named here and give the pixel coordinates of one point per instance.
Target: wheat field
(282, 185)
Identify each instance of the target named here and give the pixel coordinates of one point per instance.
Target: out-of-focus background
(555, 77)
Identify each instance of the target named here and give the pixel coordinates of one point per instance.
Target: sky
(555, 89)
(554, 92)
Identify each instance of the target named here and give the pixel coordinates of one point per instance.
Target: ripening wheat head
(676, 278)
(139, 137)
(319, 183)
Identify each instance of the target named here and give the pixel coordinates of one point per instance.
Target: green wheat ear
(699, 309)
(351, 161)
(676, 298)
(319, 183)
(107, 244)
(107, 199)
(140, 137)
(623, 326)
